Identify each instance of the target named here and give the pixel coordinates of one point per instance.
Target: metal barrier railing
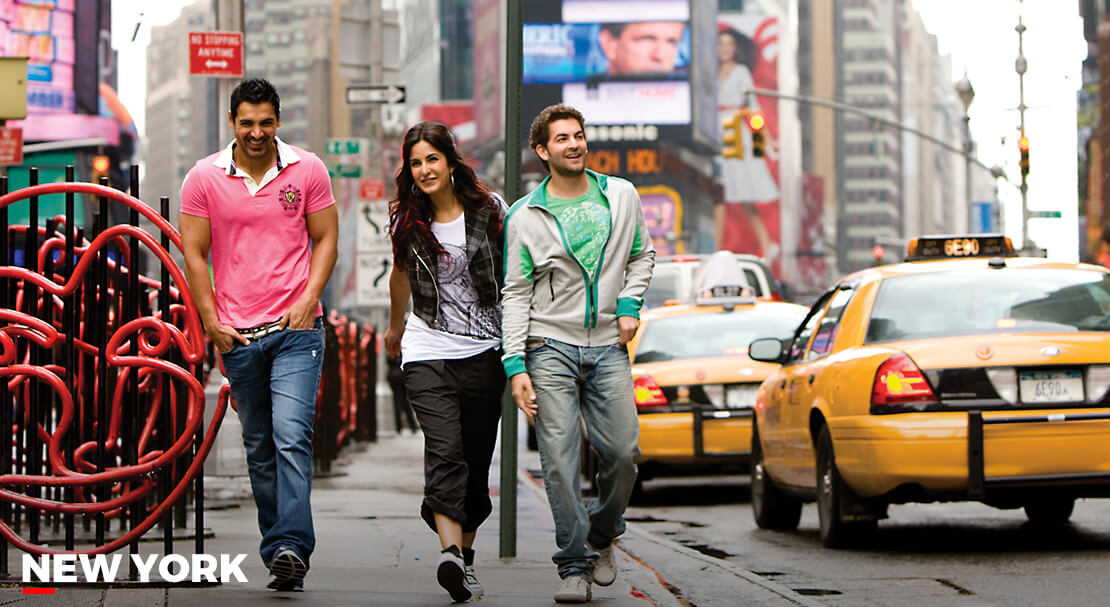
(346, 409)
(103, 379)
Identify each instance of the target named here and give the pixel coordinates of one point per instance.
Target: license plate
(1051, 386)
(741, 397)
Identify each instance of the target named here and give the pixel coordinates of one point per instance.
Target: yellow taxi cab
(694, 384)
(964, 373)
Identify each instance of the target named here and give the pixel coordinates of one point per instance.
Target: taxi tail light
(1004, 380)
(900, 385)
(1098, 382)
(648, 394)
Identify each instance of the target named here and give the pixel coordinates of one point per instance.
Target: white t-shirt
(471, 328)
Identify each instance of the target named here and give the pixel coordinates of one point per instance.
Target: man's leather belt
(261, 330)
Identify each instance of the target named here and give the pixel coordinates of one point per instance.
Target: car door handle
(782, 385)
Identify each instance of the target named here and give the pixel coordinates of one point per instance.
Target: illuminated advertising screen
(617, 61)
(42, 31)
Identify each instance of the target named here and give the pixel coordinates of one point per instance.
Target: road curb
(740, 572)
(525, 477)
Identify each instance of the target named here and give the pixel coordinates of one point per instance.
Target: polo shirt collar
(285, 156)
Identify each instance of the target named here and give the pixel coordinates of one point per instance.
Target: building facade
(180, 113)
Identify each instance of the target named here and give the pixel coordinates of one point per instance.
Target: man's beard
(566, 172)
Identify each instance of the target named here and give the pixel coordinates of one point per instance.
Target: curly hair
(540, 134)
(410, 214)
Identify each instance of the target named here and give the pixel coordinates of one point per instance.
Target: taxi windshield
(989, 301)
(715, 334)
(665, 284)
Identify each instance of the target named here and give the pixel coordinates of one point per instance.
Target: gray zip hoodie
(548, 292)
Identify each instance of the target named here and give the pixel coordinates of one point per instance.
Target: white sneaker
(575, 589)
(451, 574)
(472, 582)
(288, 566)
(605, 568)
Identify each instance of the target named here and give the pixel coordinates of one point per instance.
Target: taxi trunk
(1009, 413)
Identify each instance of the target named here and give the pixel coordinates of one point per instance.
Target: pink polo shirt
(260, 245)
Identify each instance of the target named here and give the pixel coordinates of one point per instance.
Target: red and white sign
(216, 54)
(11, 146)
(371, 189)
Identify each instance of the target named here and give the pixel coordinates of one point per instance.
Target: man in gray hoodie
(578, 259)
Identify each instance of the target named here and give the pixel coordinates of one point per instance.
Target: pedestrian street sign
(344, 170)
(375, 93)
(372, 278)
(1044, 214)
(371, 227)
(349, 147)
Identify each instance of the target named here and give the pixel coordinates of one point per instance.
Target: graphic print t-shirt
(465, 328)
(585, 221)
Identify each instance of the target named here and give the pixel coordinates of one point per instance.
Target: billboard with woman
(747, 218)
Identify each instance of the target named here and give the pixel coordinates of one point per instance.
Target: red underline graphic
(38, 591)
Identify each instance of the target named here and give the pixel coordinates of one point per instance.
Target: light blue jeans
(595, 384)
(274, 382)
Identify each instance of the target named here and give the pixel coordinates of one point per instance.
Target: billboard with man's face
(616, 61)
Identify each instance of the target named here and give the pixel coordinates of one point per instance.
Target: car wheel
(832, 494)
(1050, 511)
(771, 507)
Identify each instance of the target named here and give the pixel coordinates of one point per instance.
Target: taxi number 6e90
(1051, 386)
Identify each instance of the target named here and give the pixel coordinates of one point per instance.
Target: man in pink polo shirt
(264, 209)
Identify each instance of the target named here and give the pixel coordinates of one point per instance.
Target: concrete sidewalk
(373, 549)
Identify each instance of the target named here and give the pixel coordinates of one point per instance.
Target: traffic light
(878, 252)
(1023, 145)
(100, 167)
(756, 124)
(733, 137)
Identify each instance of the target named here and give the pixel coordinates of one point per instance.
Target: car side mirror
(767, 349)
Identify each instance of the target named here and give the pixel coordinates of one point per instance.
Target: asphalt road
(923, 555)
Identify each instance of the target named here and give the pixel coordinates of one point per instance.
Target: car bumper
(879, 454)
(699, 436)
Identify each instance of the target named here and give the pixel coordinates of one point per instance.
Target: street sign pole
(229, 18)
(513, 109)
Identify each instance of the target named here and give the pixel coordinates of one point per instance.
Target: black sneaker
(288, 566)
(451, 574)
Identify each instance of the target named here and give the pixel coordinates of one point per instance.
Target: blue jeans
(595, 384)
(274, 382)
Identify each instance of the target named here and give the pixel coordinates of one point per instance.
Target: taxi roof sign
(724, 283)
(956, 246)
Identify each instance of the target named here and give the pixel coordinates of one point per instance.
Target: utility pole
(1020, 66)
(514, 44)
(967, 94)
(229, 18)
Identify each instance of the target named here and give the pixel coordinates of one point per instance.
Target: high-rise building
(179, 108)
(289, 42)
(869, 157)
(935, 199)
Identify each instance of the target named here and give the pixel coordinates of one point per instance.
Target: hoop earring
(415, 192)
(452, 181)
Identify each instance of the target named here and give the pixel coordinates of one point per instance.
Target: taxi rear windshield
(990, 301)
(713, 335)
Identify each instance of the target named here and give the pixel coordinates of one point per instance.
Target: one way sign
(375, 93)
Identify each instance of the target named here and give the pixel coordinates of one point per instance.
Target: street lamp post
(1020, 66)
(967, 94)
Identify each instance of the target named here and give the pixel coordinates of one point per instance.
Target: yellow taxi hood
(1005, 349)
(731, 369)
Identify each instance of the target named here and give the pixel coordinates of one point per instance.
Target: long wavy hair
(410, 214)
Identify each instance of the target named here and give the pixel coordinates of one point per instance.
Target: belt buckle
(262, 330)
